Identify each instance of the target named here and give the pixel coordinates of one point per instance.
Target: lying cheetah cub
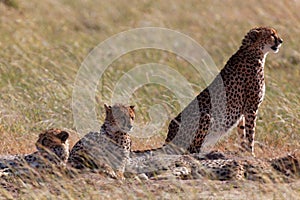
(52, 150)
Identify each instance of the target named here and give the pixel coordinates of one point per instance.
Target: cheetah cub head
(265, 38)
(54, 142)
(120, 117)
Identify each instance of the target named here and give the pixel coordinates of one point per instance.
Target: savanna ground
(43, 44)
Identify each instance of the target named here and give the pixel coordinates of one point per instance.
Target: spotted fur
(217, 166)
(232, 98)
(52, 150)
(108, 150)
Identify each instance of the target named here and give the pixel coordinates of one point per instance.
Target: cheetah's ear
(132, 107)
(107, 108)
(63, 136)
(253, 35)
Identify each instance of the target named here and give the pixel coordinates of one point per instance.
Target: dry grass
(42, 47)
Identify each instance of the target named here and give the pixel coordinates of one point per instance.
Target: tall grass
(43, 44)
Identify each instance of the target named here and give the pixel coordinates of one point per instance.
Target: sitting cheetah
(232, 98)
(108, 150)
(52, 150)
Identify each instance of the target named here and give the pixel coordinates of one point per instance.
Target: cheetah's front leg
(244, 142)
(249, 132)
(241, 129)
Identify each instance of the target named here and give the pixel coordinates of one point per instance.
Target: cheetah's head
(120, 117)
(54, 142)
(265, 38)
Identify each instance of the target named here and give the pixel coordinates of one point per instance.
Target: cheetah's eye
(273, 36)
